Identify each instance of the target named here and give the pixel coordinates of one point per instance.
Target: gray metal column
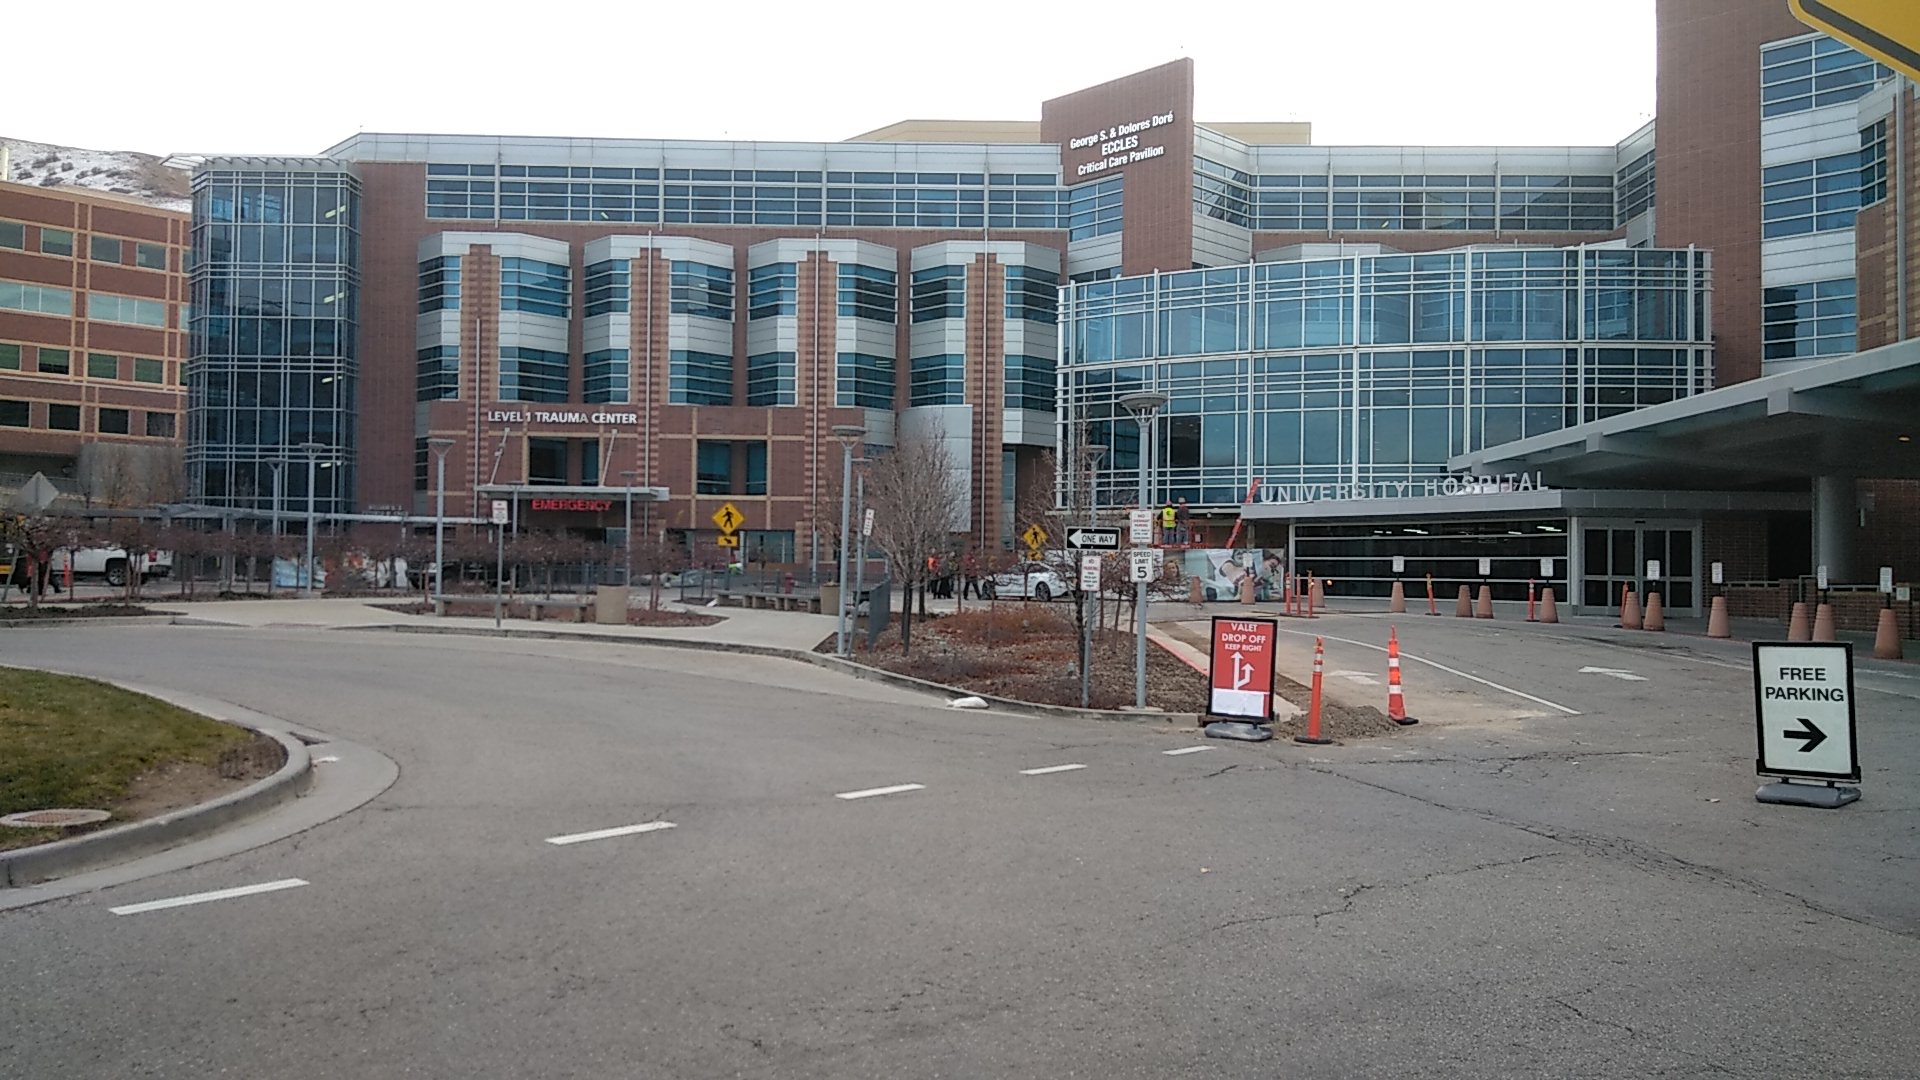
(1836, 523)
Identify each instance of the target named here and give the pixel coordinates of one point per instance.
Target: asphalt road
(1590, 895)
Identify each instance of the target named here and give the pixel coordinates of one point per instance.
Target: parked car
(111, 563)
(690, 579)
(1033, 580)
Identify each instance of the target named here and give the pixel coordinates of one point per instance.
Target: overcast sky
(261, 77)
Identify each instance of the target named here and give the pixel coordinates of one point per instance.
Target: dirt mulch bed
(22, 613)
(521, 609)
(181, 784)
(1030, 652)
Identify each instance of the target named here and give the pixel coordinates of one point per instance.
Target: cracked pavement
(1581, 896)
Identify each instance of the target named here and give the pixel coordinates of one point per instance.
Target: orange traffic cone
(1398, 603)
(1717, 619)
(1549, 612)
(1656, 616)
(1797, 622)
(1312, 734)
(1823, 623)
(1396, 698)
(1630, 612)
(1464, 608)
(1484, 610)
(1886, 639)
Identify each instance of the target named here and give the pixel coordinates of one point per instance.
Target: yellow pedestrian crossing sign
(729, 518)
(1035, 538)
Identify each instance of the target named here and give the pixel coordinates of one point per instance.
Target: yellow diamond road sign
(729, 518)
(1034, 536)
(1887, 30)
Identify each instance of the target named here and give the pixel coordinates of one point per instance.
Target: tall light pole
(860, 530)
(440, 445)
(312, 450)
(848, 434)
(1143, 406)
(1091, 452)
(274, 531)
(627, 537)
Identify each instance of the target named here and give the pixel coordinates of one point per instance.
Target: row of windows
(1030, 383)
(1873, 163)
(864, 380)
(1810, 196)
(275, 339)
(532, 375)
(107, 421)
(1803, 321)
(939, 292)
(52, 361)
(437, 373)
(938, 380)
(100, 307)
(770, 379)
(440, 284)
(605, 376)
(107, 249)
(1633, 189)
(1556, 211)
(541, 288)
(714, 472)
(699, 378)
(762, 176)
(1814, 73)
(772, 290)
(331, 199)
(276, 244)
(868, 292)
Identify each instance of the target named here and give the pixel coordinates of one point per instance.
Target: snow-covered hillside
(123, 172)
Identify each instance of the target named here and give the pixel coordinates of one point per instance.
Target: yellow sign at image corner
(1887, 30)
(729, 518)
(729, 540)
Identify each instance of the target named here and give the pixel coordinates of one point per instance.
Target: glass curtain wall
(1369, 371)
(272, 343)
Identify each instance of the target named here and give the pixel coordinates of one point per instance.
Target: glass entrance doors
(1615, 556)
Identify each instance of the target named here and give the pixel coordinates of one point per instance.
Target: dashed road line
(606, 834)
(1185, 750)
(871, 792)
(207, 897)
(1050, 769)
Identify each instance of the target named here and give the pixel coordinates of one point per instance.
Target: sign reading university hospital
(1498, 484)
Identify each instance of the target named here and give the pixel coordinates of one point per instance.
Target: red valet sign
(1241, 682)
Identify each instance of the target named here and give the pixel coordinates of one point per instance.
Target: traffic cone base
(1797, 623)
(1656, 618)
(1823, 623)
(1548, 612)
(1886, 638)
(1484, 610)
(1717, 619)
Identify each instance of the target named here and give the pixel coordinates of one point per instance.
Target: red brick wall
(1875, 236)
(1709, 155)
(1158, 210)
(1738, 542)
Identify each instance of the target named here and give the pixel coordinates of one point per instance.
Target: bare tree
(33, 538)
(916, 497)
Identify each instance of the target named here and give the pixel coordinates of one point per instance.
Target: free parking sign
(1803, 699)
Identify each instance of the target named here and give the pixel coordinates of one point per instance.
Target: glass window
(102, 366)
(864, 380)
(54, 361)
(699, 378)
(701, 289)
(1812, 196)
(150, 256)
(770, 379)
(14, 413)
(9, 356)
(36, 299)
(606, 376)
(532, 375)
(756, 469)
(539, 288)
(1803, 75)
(608, 288)
(103, 249)
(772, 290)
(106, 307)
(114, 421)
(867, 292)
(714, 468)
(149, 371)
(440, 284)
(160, 425)
(13, 235)
(938, 380)
(63, 417)
(1800, 322)
(437, 373)
(55, 242)
(1031, 383)
(546, 461)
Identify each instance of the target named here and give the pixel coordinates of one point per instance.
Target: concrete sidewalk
(738, 626)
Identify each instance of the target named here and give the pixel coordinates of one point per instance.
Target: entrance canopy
(1855, 415)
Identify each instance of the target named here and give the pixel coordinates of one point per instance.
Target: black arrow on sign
(1813, 736)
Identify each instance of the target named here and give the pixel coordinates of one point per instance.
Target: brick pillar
(986, 392)
(816, 309)
(479, 362)
(649, 290)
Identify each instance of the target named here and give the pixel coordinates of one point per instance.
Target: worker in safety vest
(1166, 524)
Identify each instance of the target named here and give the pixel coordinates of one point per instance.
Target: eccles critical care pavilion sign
(1120, 145)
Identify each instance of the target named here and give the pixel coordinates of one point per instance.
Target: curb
(157, 618)
(29, 866)
(834, 663)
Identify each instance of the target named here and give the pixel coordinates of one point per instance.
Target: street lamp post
(1143, 406)
(1091, 452)
(860, 530)
(848, 434)
(627, 537)
(273, 552)
(440, 445)
(312, 450)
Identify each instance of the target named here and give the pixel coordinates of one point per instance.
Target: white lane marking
(604, 834)
(205, 897)
(1360, 677)
(870, 792)
(1050, 769)
(1185, 750)
(1618, 673)
(1405, 655)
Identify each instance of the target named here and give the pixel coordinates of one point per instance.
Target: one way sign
(1095, 539)
(1804, 698)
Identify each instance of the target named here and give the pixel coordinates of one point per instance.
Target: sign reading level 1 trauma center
(1803, 698)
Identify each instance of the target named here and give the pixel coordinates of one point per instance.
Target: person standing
(1183, 523)
(1167, 525)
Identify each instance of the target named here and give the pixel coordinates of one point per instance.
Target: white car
(1028, 580)
(111, 563)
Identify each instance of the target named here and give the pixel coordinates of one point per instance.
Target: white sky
(296, 78)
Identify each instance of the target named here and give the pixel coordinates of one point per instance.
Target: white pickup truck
(111, 563)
